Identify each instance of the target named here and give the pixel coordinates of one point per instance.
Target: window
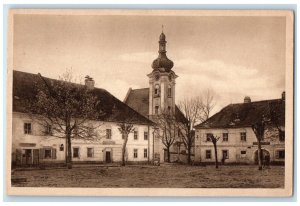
(48, 129)
(47, 153)
(225, 137)
(243, 152)
(243, 136)
(156, 109)
(208, 137)
(281, 136)
(90, 152)
(145, 153)
(156, 90)
(280, 154)
(135, 153)
(169, 91)
(27, 128)
(135, 135)
(225, 154)
(208, 154)
(76, 152)
(145, 135)
(108, 133)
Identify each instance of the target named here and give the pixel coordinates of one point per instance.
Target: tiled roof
(138, 99)
(245, 114)
(112, 109)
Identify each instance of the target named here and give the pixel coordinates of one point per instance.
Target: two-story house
(237, 142)
(33, 143)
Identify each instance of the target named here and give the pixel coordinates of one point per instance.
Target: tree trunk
(259, 154)
(124, 149)
(189, 154)
(216, 155)
(69, 156)
(168, 154)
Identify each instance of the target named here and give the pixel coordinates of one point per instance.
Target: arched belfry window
(169, 91)
(156, 90)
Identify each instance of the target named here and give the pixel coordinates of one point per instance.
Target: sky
(232, 56)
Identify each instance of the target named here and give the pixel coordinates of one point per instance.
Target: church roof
(138, 99)
(245, 114)
(112, 109)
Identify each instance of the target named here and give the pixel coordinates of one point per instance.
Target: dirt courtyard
(164, 176)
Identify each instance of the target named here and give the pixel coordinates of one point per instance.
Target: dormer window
(156, 90)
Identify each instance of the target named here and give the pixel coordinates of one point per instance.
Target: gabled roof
(138, 99)
(245, 114)
(112, 109)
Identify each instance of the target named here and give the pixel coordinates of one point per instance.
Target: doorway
(27, 157)
(264, 153)
(107, 157)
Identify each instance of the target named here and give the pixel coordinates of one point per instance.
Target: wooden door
(107, 157)
(36, 156)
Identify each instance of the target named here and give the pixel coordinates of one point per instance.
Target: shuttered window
(135, 135)
(108, 133)
(47, 153)
(90, 152)
(145, 135)
(75, 152)
(27, 128)
(243, 136)
(208, 154)
(280, 154)
(135, 153)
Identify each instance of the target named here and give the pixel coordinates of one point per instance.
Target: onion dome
(162, 62)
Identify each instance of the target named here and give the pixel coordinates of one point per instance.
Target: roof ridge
(139, 88)
(116, 100)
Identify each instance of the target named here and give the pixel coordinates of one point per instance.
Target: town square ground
(164, 176)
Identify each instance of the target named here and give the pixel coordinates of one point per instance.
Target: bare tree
(259, 129)
(66, 110)
(195, 110)
(208, 104)
(169, 129)
(125, 128)
(214, 139)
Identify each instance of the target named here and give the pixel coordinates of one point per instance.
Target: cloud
(119, 88)
(231, 83)
(142, 57)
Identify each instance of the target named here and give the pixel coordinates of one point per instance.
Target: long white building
(32, 146)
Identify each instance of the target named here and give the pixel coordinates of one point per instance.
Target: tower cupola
(162, 62)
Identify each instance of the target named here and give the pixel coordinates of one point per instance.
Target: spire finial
(162, 28)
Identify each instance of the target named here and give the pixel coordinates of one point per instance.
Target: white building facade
(237, 141)
(32, 145)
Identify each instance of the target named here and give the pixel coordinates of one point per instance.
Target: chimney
(247, 99)
(283, 96)
(89, 82)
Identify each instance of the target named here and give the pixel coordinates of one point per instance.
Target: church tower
(162, 82)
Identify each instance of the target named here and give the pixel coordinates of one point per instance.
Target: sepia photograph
(150, 102)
